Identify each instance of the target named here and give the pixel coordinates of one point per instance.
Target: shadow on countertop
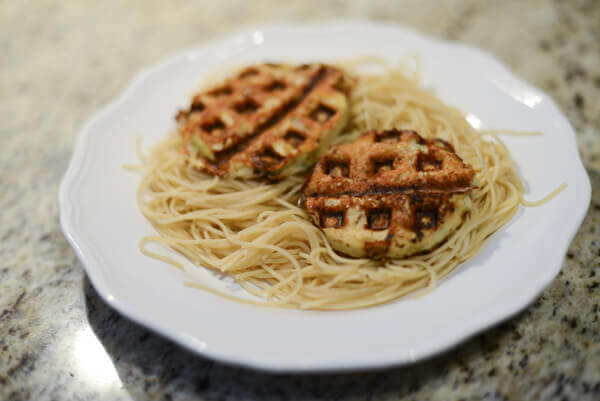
(173, 369)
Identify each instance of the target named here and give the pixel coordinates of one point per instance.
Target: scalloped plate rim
(90, 260)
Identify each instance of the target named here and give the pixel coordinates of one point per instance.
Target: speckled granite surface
(62, 60)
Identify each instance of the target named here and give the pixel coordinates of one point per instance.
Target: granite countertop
(60, 61)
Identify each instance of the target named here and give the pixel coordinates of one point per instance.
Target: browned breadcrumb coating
(388, 194)
(268, 120)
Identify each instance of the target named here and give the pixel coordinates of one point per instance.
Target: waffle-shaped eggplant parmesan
(269, 120)
(389, 194)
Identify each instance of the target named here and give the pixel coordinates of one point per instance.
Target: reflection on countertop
(63, 60)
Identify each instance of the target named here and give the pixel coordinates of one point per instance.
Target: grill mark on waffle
(375, 190)
(223, 157)
(417, 208)
(229, 127)
(408, 172)
(416, 212)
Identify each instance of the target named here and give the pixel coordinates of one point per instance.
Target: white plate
(101, 221)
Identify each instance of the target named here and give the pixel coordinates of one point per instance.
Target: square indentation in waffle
(322, 113)
(267, 157)
(213, 125)
(337, 167)
(427, 211)
(382, 163)
(331, 219)
(275, 85)
(379, 219)
(294, 137)
(246, 106)
(426, 219)
(197, 107)
(428, 162)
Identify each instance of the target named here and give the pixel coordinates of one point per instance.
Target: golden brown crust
(388, 162)
(393, 181)
(264, 117)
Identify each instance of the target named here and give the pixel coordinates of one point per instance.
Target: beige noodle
(254, 232)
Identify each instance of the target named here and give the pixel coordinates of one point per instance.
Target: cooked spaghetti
(254, 232)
